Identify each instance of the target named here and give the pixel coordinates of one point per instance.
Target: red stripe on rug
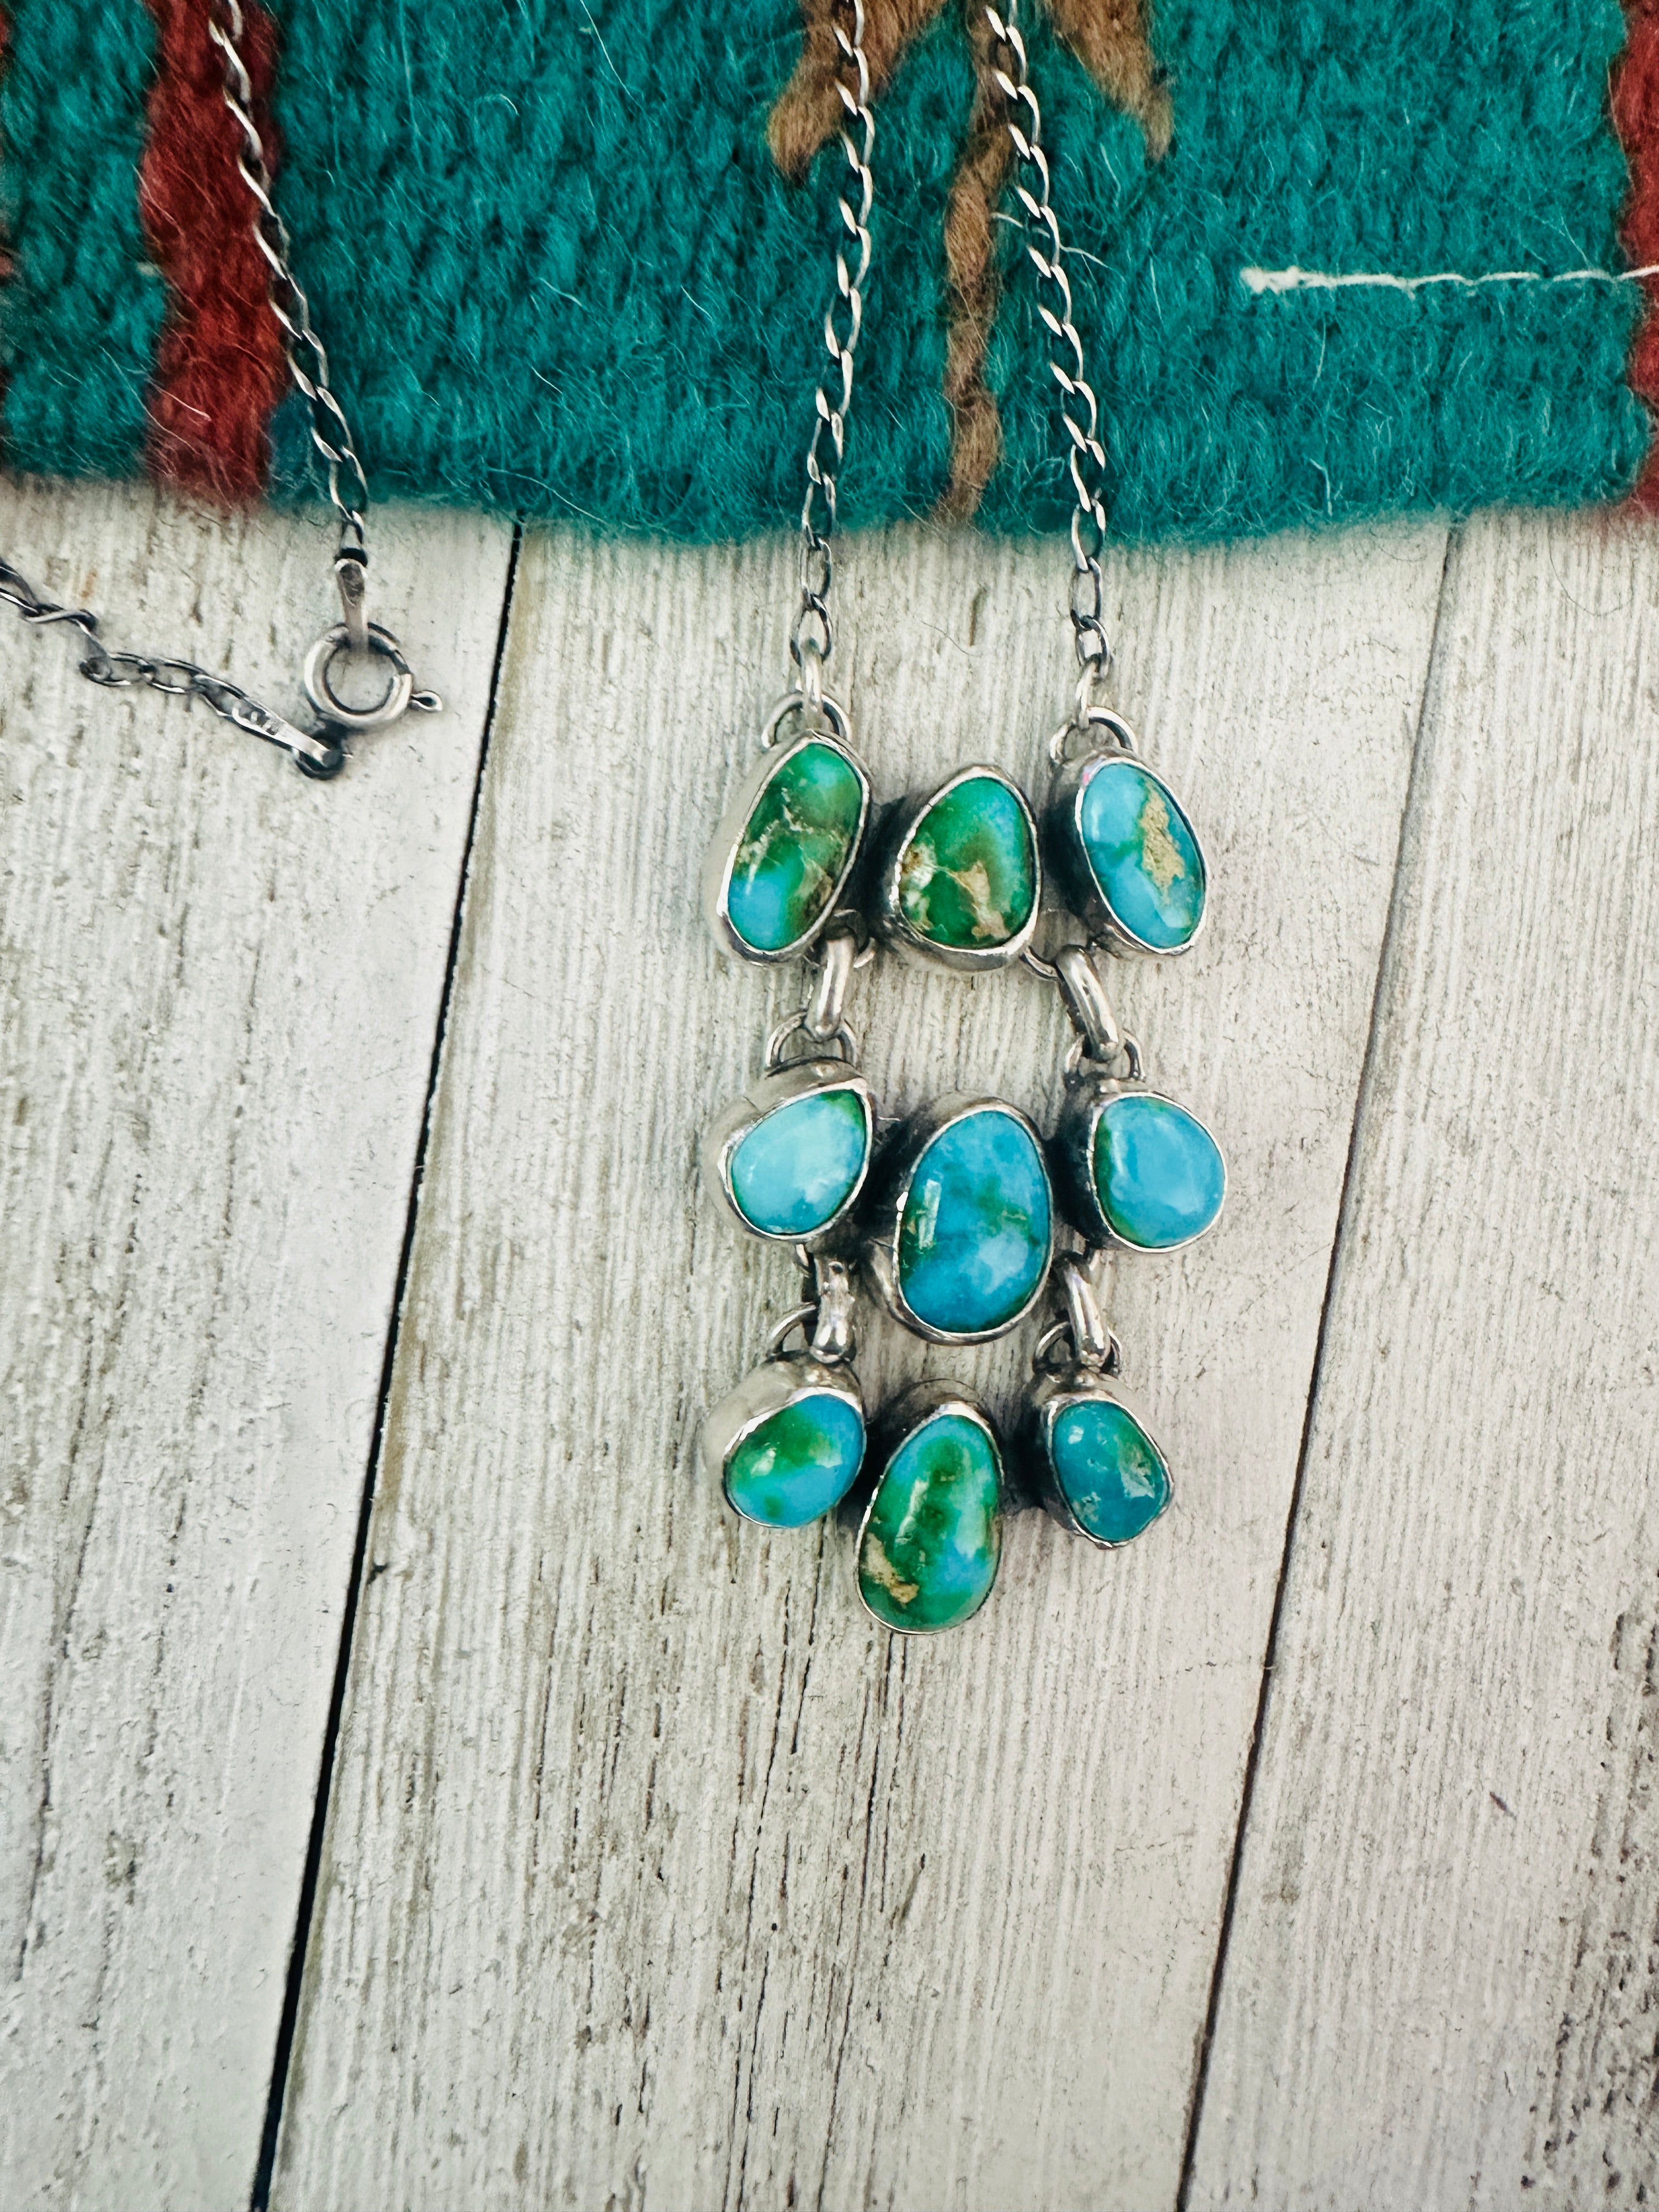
(1636, 118)
(219, 368)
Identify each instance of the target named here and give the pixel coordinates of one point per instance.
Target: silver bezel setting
(1078, 1385)
(728, 837)
(1088, 1091)
(773, 1388)
(894, 1425)
(891, 1189)
(800, 1079)
(1068, 856)
(898, 826)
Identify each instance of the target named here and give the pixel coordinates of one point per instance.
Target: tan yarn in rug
(1108, 36)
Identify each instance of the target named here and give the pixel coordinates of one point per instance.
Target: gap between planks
(261, 2191)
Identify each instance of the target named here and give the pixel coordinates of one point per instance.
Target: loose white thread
(1319, 280)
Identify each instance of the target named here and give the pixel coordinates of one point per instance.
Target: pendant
(930, 1535)
(1122, 850)
(1085, 1455)
(788, 1442)
(956, 878)
(1137, 1171)
(786, 846)
(960, 1228)
(789, 1158)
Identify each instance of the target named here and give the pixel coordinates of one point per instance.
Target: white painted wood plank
(1443, 1976)
(219, 987)
(654, 1873)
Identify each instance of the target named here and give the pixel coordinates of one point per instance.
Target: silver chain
(177, 679)
(307, 362)
(813, 637)
(318, 754)
(1078, 406)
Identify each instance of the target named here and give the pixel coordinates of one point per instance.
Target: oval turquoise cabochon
(1109, 1471)
(932, 1537)
(800, 1463)
(1142, 853)
(977, 1228)
(795, 847)
(795, 1169)
(1158, 1172)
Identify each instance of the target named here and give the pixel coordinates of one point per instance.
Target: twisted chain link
(813, 637)
(1078, 406)
(307, 361)
(175, 679)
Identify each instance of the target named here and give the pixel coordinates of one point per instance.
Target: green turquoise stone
(1158, 1172)
(794, 848)
(800, 1463)
(1109, 1471)
(968, 877)
(933, 1540)
(977, 1227)
(795, 1169)
(1142, 853)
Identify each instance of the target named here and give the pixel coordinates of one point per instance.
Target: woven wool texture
(558, 270)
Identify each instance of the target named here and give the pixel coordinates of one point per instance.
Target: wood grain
(219, 987)
(653, 1873)
(1443, 1974)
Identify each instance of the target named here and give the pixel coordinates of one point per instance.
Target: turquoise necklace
(950, 1219)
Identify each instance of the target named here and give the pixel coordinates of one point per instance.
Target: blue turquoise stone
(796, 1168)
(978, 1225)
(800, 1463)
(1143, 853)
(932, 1538)
(1158, 1172)
(1109, 1471)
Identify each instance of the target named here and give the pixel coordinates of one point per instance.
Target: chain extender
(1079, 407)
(320, 753)
(812, 636)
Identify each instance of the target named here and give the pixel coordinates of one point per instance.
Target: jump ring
(317, 677)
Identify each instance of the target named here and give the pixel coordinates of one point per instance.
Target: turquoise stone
(798, 1463)
(968, 877)
(1109, 1471)
(932, 1538)
(978, 1225)
(794, 848)
(1142, 854)
(798, 1166)
(1158, 1172)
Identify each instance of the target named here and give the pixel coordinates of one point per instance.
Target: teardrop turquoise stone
(1142, 853)
(933, 1540)
(1108, 1469)
(800, 1463)
(795, 1169)
(968, 877)
(1158, 1172)
(977, 1227)
(794, 848)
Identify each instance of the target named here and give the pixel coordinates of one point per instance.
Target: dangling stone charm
(788, 1442)
(961, 1224)
(787, 843)
(930, 1537)
(1123, 852)
(955, 875)
(789, 1157)
(1084, 1454)
(1135, 1170)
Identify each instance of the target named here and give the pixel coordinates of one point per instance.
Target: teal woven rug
(559, 269)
